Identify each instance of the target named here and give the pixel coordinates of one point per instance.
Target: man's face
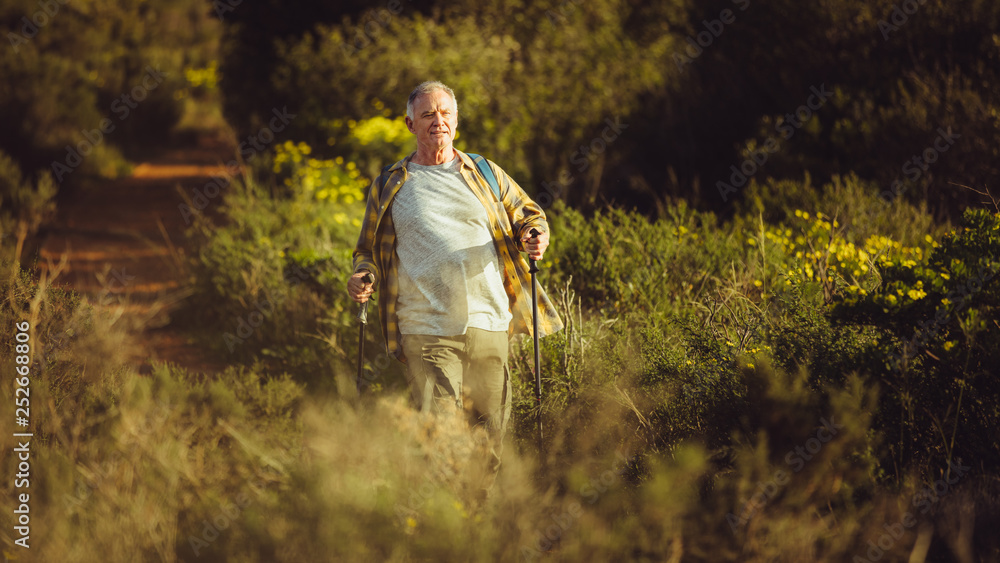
(435, 120)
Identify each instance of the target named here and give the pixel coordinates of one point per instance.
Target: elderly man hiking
(444, 250)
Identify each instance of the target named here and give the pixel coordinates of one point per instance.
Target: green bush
(24, 206)
(937, 315)
(269, 278)
(73, 71)
(622, 263)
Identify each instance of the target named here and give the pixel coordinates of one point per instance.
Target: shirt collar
(466, 160)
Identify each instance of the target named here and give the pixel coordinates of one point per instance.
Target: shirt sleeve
(364, 255)
(524, 214)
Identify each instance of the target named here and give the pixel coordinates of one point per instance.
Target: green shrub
(937, 312)
(74, 70)
(270, 278)
(24, 206)
(856, 204)
(622, 263)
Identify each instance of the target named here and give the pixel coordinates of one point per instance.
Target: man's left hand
(535, 247)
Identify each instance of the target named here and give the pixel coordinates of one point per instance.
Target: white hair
(426, 88)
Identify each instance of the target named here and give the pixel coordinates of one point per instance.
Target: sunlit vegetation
(802, 370)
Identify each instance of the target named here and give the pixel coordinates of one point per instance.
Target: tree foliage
(699, 87)
(68, 65)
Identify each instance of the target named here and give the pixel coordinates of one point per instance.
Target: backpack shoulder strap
(487, 172)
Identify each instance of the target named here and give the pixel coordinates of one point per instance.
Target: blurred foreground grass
(250, 466)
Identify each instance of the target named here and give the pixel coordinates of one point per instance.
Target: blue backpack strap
(487, 172)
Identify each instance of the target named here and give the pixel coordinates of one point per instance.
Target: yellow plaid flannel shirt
(512, 216)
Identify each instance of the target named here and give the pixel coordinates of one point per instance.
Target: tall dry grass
(250, 466)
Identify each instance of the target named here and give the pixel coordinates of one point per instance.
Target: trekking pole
(362, 321)
(533, 269)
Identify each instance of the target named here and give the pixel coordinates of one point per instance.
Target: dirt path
(125, 247)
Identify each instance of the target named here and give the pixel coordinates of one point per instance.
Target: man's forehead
(438, 99)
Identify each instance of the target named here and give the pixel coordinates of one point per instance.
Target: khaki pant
(446, 369)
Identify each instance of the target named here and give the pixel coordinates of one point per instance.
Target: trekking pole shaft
(538, 356)
(533, 269)
(534, 330)
(362, 321)
(361, 354)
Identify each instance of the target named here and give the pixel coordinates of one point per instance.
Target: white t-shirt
(449, 272)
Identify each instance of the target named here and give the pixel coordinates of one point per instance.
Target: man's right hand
(358, 289)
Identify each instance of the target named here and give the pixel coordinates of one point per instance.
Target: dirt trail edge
(124, 244)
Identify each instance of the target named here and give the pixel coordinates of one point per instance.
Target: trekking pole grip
(532, 265)
(363, 308)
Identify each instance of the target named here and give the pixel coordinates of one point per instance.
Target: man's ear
(409, 125)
